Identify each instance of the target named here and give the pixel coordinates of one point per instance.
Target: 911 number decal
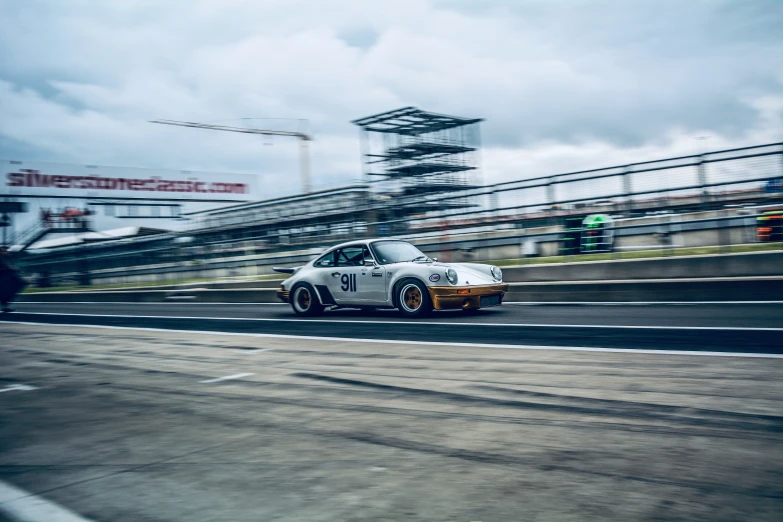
(348, 283)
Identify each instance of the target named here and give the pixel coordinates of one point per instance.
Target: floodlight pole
(304, 149)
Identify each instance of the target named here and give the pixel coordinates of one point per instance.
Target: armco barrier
(682, 290)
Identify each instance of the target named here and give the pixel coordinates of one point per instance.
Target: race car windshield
(388, 252)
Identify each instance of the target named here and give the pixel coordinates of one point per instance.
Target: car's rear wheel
(304, 301)
(413, 299)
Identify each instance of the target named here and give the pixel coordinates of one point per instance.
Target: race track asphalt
(740, 328)
(520, 412)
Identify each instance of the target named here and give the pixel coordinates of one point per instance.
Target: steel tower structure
(418, 156)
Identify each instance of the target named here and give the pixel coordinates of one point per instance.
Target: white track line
(18, 387)
(632, 303)
(415, 322)
(20, 505)
(136, 303)
(228, 377)
(422, 343)
(530, 303)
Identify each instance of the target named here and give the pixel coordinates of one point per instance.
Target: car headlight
(451, 275)
(496, 273)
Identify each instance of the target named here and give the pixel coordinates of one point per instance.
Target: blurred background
(501, 132)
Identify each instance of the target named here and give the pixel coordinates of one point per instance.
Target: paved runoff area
(113, 424)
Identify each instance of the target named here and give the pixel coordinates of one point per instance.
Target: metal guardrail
(747, 175)
(748, 169)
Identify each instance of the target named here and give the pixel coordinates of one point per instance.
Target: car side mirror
(435, 259)
(369, 262)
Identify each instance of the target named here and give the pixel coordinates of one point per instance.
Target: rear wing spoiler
(285, 270)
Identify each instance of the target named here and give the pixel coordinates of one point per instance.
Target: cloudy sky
(563, 84)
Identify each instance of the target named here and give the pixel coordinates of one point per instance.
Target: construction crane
(304, 153)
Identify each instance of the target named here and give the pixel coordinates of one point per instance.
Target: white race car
(389, 273)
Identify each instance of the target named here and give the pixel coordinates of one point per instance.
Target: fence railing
(748, 175)
(717, 180)
(711, 180)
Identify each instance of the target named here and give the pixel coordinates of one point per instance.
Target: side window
(351, 256)
(366, 253)
(326, 261)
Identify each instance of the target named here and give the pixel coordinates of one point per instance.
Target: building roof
(94, 237)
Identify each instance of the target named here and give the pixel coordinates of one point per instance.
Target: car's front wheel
(413, 299)
(304, 301)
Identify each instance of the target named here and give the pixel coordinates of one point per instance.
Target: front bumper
(284, 295)
(448, 298)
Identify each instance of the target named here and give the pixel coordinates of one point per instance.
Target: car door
(372, 286)
(345, 281)
(321, 276)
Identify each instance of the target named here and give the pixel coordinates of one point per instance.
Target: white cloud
(549, 157)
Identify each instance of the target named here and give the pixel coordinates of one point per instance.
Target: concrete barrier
(198, 295)
(682, 290)
(670, 290)
(267, 283)
(717, 265)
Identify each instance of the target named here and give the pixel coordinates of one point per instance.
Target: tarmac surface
(148, 426)
(747, 328)
(756, 315)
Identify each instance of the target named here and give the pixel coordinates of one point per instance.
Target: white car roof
(371, 240)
